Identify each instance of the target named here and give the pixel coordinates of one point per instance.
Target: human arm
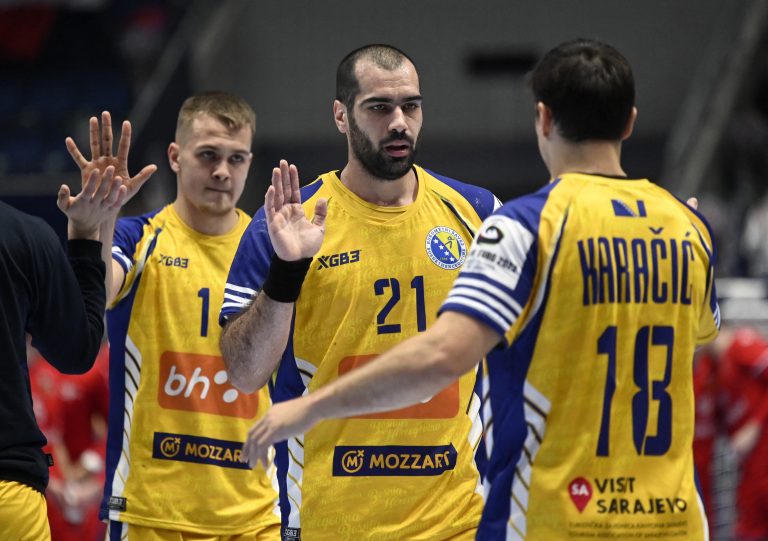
(411, 371)
(253, 341)
(101, 142)
(68, 297)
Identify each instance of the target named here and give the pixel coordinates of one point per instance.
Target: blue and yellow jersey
(601, 289)
(378, 278)
(176, 424)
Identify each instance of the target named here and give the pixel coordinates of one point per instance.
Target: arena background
(700, 65)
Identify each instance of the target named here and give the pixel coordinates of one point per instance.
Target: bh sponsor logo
(184, 448)
(393, 460)
(192, 382)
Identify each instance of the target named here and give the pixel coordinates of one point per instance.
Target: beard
(376, 161)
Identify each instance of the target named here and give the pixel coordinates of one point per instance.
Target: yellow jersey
(600, 288)
(177, 425)
(378, 278)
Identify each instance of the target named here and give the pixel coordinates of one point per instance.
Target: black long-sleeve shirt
(59, 300)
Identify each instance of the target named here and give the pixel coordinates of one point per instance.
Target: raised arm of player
(414, 370)
(101, 142)
(67, 318)
(253, 341)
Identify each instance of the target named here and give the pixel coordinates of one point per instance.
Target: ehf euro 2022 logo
(446, 248)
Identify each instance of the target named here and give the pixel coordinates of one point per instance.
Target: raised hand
(100, 199)
(293, 236)
(102, 157)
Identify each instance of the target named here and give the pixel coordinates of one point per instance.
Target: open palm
(293, 236)
(102, 156)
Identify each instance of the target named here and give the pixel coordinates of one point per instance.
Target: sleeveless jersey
(177, 425)
(378, 278)
(601, 289)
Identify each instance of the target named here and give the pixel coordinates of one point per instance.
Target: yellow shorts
(121, 531)
(23, 513)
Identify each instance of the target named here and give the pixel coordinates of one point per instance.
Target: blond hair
(229, 109)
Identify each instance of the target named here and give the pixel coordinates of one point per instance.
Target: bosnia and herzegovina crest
(446, 248)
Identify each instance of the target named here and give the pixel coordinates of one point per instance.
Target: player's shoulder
(138, 222)
(130, 230)
(314, 188)
(480, 199)
(529, 207)
(696, 218)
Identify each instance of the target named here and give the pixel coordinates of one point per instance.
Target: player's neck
(203, 222)
(385, 193)
(596, 157)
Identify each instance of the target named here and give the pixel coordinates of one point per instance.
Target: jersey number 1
(657, 389)
(204, 294)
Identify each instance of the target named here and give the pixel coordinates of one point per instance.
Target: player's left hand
(100, 199)
(281, 421)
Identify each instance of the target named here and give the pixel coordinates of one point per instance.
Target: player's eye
(208, 155)
(237, 158)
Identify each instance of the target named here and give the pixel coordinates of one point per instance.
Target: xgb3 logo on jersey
(446, 248)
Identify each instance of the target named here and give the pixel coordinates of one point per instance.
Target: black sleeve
(67, 322)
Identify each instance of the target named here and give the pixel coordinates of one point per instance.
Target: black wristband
(283, 283)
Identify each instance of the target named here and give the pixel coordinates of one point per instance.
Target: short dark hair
(231, 110)
(384, 56)
(589, 87)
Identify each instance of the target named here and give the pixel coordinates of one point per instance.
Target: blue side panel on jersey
(287, 385)
(118, 320)
(507, 373)
(481, 454)
(481, 199)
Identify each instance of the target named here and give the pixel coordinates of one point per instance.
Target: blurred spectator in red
(705, 389)
(72, 413)
(739, 361)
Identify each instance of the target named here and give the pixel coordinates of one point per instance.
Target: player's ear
(340, 116)
(544, 120)
(173, 157)
(630, 125)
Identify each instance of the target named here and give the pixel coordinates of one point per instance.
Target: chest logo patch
(446, 248)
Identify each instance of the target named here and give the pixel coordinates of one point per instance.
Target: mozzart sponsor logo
(393, 460)
(199, 450)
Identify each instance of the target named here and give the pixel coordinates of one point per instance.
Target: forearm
(253, 342)
(77, 232)
(111, 282)
(412, 371)
(83, 332)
